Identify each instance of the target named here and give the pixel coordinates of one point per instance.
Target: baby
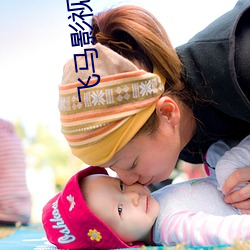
(96, 211)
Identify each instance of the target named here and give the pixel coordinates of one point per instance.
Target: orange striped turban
(110, 113)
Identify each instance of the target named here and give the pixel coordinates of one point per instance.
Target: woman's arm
(233, 175)
(237, 157)
(240, 198)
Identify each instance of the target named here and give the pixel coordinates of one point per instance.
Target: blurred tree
(45, 150)
(20, 130)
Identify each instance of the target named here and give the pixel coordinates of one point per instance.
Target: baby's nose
(133, 197)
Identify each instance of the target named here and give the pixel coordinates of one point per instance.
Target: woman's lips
(148, 183)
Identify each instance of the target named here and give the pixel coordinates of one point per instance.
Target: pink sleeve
(201, 229)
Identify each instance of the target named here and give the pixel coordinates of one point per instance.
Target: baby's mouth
(147, 202)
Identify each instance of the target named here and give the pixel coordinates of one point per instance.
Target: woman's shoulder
(209, 65)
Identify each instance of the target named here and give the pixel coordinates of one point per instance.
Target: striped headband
(107, 116)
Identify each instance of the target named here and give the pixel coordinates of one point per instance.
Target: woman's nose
(126, 177)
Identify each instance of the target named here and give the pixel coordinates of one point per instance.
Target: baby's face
(130, 211)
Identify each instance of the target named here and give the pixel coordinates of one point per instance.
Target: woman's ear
(168, 109)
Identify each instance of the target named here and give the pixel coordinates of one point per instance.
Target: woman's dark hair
(137, 35)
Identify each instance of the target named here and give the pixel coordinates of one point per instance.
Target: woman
(154, 104)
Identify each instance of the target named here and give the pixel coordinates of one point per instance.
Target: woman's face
(147, 159)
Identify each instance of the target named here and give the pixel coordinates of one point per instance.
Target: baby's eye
(120, 206)
(121, 186)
